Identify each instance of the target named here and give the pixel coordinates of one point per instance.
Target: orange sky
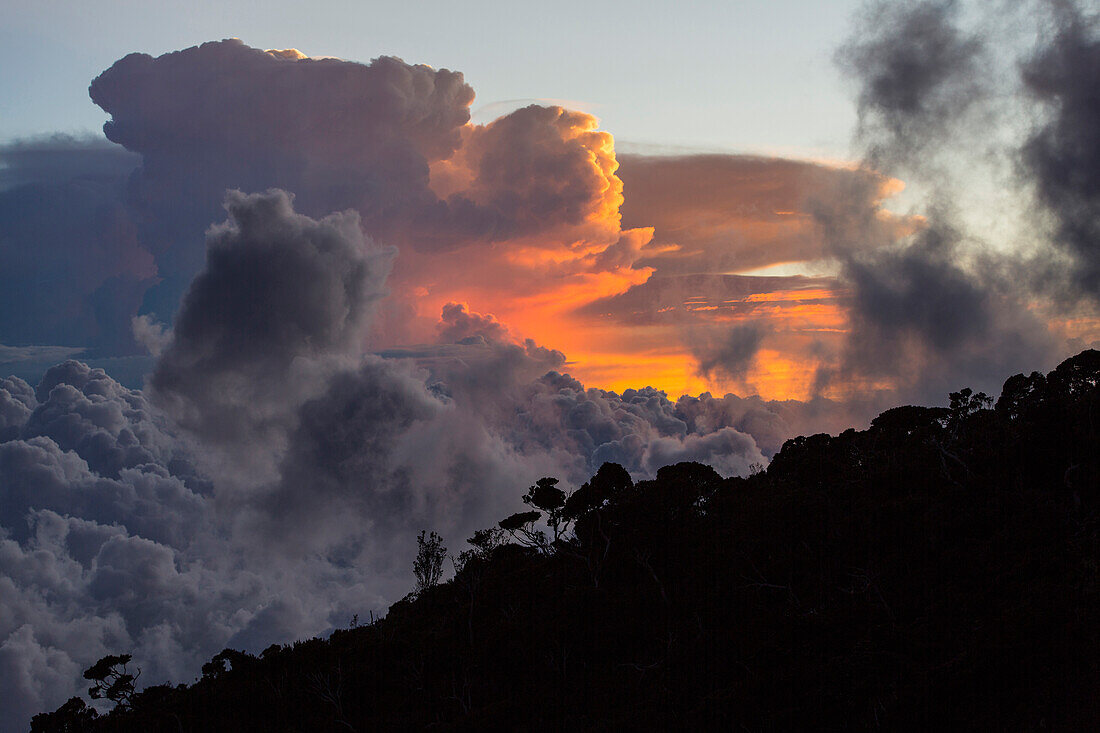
(647, 266)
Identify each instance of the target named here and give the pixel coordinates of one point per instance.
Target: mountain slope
(938, 569)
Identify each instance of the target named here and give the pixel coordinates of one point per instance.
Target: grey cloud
(343, 134)
(919, 73)
(638, 429)
(139, 561)
(1062, 156)
(109, 426)
(337, 133)
(59, 159)
(726, 353)
(154, 336)
(100, 497)
(16, 403)
(71, 260)
(457, 323)
(940, 307)
(343, 450)
(281, 294)
(113, 540)
(918, 315)
(96, 233)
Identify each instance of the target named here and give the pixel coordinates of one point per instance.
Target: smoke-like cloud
(950, 302)
(920, 72)
(1062, 156)
(727, 353)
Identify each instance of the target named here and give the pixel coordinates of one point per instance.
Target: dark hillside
(938, 570)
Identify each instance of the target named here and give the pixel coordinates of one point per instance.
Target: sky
(267, 313)
(743, 76)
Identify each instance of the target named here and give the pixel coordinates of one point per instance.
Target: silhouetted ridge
(937, 570)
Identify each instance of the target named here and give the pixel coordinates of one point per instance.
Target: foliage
(72, 717)
(546, 496)
(520, 526)
(112, 680)
(428, 566)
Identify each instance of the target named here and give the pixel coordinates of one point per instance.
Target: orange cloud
(621, 268)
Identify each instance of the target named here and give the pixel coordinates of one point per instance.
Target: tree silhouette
(521, 527)
(546, 496)
(112, 680)
(428, 565)
(72, 717)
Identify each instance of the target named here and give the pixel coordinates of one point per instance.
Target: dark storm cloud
(1062, 156)
(919, 72)
(343, 447)
(726, 353)
(282, 295)
(920, 315)
(942, 306)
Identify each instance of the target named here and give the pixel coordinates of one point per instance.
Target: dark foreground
(938, 570)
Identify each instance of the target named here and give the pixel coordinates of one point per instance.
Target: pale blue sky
(752, 76)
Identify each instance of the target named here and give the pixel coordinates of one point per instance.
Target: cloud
(538, 169)
(70, 257)
(721, 214)
(154, 336)
(1062, 155)
(339, 134)
(16, 403)
(919, 74)
(390, 139)
(457, 324)
(698, 298)
(924, 318)
(947, 303)
(59, 159)
(727, 353)
(282, 296)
